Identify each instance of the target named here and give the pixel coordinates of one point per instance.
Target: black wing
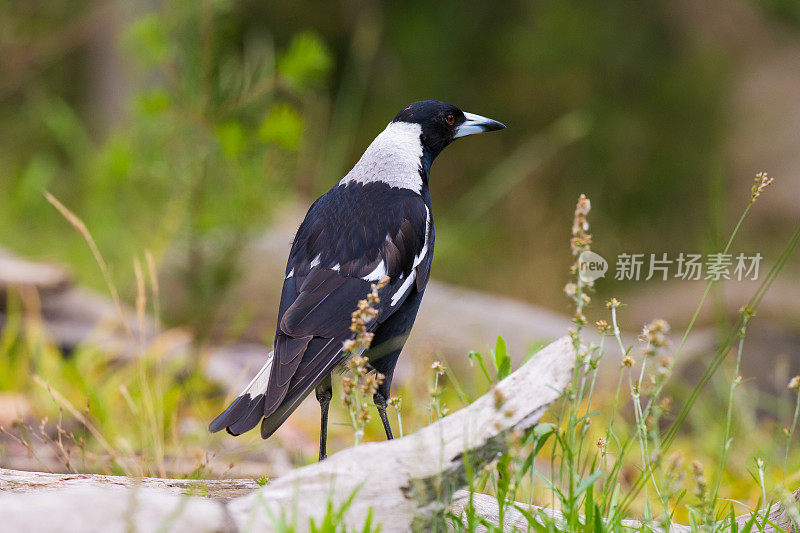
(352, 236)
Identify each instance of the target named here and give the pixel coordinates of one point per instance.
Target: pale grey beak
(477, 124)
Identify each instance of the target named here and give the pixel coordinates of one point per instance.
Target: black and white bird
(376, 222)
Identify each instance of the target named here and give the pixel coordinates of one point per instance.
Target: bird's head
(402, 154)
(441, 123)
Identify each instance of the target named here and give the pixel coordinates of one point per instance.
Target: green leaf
(306, 62)
(231, 138)
(283, 126)
(476, 356)
(586, 483)
(154, 101)
(147, 40)
(502, 361)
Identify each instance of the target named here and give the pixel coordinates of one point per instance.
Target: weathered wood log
(17, 481)
(18, 272)
(403, 482)
(89, 508)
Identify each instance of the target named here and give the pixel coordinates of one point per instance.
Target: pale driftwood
(486, 507)
(17, 481)
(110, 509)
(18, 272)
(396, 479)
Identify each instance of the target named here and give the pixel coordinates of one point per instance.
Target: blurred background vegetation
(182, 126)
(187, 128)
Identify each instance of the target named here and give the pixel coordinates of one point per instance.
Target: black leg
(380, 403)
(324, 393)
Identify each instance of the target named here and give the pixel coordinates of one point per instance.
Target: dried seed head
(628, 361)
(613, 303)
(666, 404)
(761, 182)
(438, 367)
(747, 311)
(699, 479)
(581, 239)
(655, 335)
(601, 443)
(794, 383)
(570, 289)
(602, 326)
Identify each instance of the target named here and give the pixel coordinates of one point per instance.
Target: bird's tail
(246, 411)
(314, 374)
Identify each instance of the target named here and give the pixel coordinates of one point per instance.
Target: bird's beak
(477, 124)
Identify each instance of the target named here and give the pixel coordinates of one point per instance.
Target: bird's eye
(450, 119)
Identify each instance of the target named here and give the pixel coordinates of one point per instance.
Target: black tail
(244, 413)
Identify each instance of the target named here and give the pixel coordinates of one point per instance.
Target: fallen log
(21, 482)
(18, 272)
(404, 483)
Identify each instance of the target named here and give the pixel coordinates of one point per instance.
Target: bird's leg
(324, 393)
(380, 403)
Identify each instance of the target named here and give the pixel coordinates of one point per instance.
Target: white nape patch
(260, 382)
(393, 158)
(315, 261)
(378, 274)
(290, 274)
(400, 292)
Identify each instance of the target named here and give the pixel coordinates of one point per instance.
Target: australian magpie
(376, 222)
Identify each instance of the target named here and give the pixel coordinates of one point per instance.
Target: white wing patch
(403, 289)
(378, 274)
(422, 253)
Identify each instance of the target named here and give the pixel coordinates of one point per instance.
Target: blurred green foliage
(227, 109)
(204, 154)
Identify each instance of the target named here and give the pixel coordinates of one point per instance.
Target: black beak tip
(495, 126)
